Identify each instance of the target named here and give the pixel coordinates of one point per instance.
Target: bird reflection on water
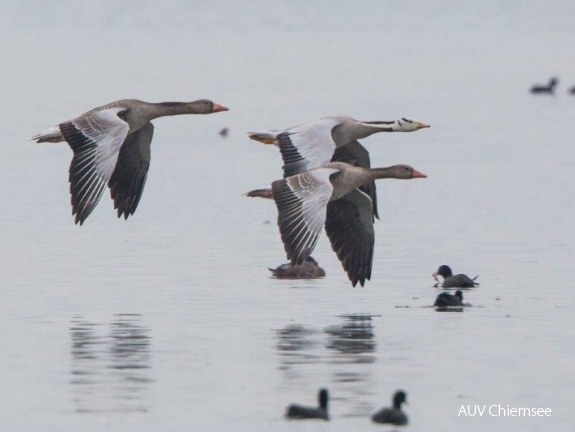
(349, 345)
(110, 369)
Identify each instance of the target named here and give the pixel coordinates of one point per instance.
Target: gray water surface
(170, 320)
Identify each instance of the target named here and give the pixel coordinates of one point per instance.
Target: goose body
(330, 196)
(393, 415)
(309, 269)
(301, 412)
(446, 299)
(545, 88)
(111, 146)
(454, 281)
(331, 139)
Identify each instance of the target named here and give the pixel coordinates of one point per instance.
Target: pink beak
(218, 108)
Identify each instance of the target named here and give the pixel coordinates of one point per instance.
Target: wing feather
(95, 140)
(349, 226)
(301, 201)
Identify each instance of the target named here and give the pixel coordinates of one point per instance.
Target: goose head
(407, 125)
(206, 106)
(404, 172)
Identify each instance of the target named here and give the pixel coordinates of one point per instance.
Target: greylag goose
(331, 139)
(309, 269)
(329, 195)
(393, 415)
(446, 299)
(544, 89)
(454, 281)
(300, 412)
(111, 146)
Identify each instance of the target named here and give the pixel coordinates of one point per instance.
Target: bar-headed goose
(331, 139)
(111, 146)
(329, 195)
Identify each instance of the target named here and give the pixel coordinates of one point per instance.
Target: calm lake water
(170, 320)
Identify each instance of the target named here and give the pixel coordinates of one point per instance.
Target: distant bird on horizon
(545, 89)
(309, 269)
(393, 415)
(111, 146)
(453, 281)
(445, 299)
(301, 412)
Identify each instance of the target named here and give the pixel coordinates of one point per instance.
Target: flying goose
(545, 89)
(393, 415)
(300, 412)
(454, 281)
(445, 299)
(111, 146)
(331, 139)
(329, 196)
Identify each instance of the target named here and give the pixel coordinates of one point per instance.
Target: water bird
(454, 281)
(445, 299)
(545, 88)
(224, 132)
(329, 196)
(309, 269)
(393, 415)
(111, 146)
(331, 139)
(300, 412)
(572, 90)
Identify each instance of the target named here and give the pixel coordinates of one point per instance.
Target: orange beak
(422, 125)
(218, 108)
(417, 174)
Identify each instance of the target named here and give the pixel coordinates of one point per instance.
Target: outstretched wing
(129, 176)
(356, 154)
(349, 226)
(301, 201)
(95, 140)
(307, 146)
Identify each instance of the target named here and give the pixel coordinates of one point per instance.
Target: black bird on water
(300, 412)
(393, 415)
(545, 89)
(446, 299)
(454, 281)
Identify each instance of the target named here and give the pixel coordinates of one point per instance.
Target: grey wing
(95, 140)
(129, 176)
(301, 201)
(349, 226)
(356, 154)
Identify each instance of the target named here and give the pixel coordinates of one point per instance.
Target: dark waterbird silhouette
(545, 88)
(393, 415)
(453, 281)
(572, 90)
(300, 412)
(446, 299)
(309, 269)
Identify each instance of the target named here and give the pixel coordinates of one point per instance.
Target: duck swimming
(300, 412)
(393, 415)
(454, 281)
